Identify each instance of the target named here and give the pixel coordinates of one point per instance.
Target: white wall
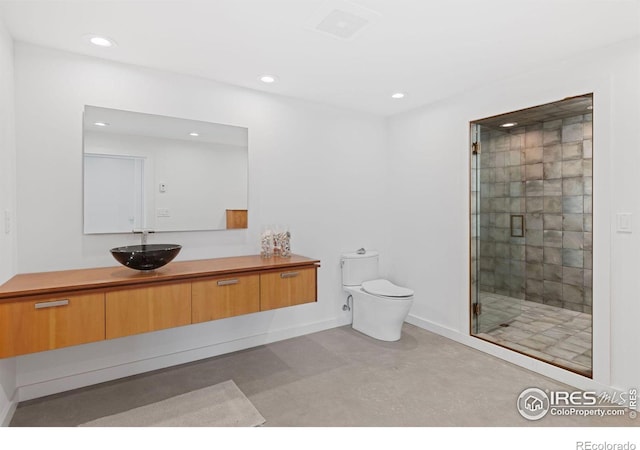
(429, 158)
(313, 167)
(7, 200)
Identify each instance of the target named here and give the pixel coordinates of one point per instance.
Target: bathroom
(340, 178)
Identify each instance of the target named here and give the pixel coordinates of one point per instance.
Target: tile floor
(335, 378)
(553, 334)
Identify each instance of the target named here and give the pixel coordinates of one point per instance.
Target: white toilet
(379, 306)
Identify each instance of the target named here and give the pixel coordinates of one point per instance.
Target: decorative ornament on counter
(275, 241)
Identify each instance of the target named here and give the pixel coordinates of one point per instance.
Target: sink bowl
(145, 257)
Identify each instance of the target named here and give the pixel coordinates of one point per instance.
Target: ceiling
(429, 49)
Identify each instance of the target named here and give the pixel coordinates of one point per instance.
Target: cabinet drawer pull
(52, 304)
(289, 274)
(228, 282)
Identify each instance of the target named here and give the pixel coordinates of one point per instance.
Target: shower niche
(531, 231)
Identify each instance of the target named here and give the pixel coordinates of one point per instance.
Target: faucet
(144, 234)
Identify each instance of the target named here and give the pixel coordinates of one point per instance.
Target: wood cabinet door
(287, 288)
(224, 297)
(141, 310)
(47, 323)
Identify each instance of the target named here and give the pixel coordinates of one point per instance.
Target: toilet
(379, 306)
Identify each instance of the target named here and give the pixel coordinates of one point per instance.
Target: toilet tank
(357, 268)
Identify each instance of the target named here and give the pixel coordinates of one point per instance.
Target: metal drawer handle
(289, 274)
(228, 282)
(52, 304)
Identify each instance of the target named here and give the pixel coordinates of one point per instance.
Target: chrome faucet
(144, 234)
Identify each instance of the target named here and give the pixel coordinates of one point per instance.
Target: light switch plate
(624, 223)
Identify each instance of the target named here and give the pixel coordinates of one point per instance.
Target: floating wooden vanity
(49, 310)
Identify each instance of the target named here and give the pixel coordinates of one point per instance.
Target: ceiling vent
(341, 19)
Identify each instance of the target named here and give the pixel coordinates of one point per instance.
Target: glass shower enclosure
(531, 231)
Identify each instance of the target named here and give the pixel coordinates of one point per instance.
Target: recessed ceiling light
(194, 134)
(100, 41)
(268, 79)
(509, 124)
(398, 95)
(101, 124)
(590, 107)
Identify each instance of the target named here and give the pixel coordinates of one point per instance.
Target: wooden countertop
(106, 277)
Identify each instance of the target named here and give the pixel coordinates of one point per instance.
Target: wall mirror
(144, 171)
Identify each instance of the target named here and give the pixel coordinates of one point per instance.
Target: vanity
(50, 310)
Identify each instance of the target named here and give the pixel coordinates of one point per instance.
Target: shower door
(498, 210)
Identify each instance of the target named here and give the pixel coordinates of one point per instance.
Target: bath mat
(221, 405)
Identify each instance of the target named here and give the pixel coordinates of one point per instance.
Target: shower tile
(588, 241)
(501, 174)
(572, 168)
(587, 167)
(501, 220)
(552, 256)
(552, 124)
(515, 157)
(516, 173)
(517, 205)
(573, 276)
(533, 138)
(572, 132)
(552, 222)
(572, 258)
(551, 136)
(533, 221)
(552, 205)
(587, 130)
(588, 222)
(534, 237)
(535, 204)
(572, 294)
(534, 254)
(487, 264)
(588, 185)
(533, 171)
(553, 290)
(533, 155)
(486, 278)
(502, 189)
(487, 249)
(587, 149)
(518, 268)
(518, 252)
(587, 280)
(487, 175)
(572, 151)
(573, 239)
(552, 153)
(516, 141)
(534, 287)
(534, 188)
(552, 272)
(516, 283)
(588, 204)
(588, 296)
(572, 186)
(588, 260)
(573, 204)
(500, 159)
(534, 271)
(552, 170)
(553, 302)
(552, 238)
(502, 250)
(573, 222)
(502, 142)
(516, 189)
(573, 120)
(553, 187)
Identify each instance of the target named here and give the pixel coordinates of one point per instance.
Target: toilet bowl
(379, 306)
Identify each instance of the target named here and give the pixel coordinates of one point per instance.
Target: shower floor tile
(556, 335)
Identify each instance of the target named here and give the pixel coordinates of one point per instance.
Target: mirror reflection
(144, 171)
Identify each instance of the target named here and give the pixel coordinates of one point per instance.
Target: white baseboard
(7, 412)
(54, 386)
(535, 365)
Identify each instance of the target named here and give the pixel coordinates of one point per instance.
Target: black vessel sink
(145, 257)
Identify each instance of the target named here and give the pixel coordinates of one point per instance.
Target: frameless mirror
(144, 171)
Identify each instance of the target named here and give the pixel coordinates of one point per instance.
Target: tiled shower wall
(544, 173)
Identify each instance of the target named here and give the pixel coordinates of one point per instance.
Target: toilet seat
(385, 288)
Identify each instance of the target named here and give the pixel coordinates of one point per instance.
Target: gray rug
(221, 405)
